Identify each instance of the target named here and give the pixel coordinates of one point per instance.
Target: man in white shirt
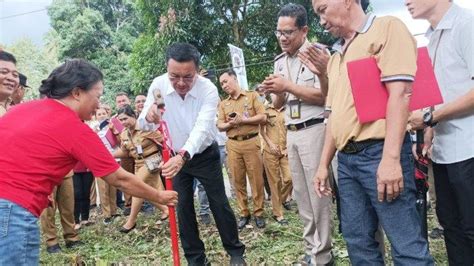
(450, 127)
(191, 106)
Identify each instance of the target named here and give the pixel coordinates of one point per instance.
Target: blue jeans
(19, 235)
(361, 212)
(202, 197)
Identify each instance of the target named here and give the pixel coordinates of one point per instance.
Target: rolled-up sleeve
(143, 124)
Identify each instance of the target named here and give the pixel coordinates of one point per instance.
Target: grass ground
(150, 245)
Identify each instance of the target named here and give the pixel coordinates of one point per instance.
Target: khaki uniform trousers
(244, 157)
(63, 196)
(304, 153)
(129, 165)
(93, 196)
(279, 179)
(108, 198)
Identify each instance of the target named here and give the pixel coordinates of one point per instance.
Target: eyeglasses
(286, 33)
(187, 79)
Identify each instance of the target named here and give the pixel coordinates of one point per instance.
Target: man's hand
(389, 179)
(415, 121)
(275, 84)
(172, 166)
(167, 197)
(321, 184)
(235, 121)
(153, 115)
(274, 148)
(316, 59)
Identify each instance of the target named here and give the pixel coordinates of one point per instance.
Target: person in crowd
(375, 165)
(62, 199)
(82, 179)
(275, 158)
(141, 146)
(240, 116)
(38, 154)
(221, 139)
(9, 80)
(191, 104)
(19, 93)
(139, 103)
(125, 203)
(293, 85)
(449, 128)
(107, 193)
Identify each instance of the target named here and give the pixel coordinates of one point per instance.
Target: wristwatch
(428, 119)
(185, 155)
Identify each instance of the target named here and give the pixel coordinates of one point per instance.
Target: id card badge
(139, 149)
(295, 109)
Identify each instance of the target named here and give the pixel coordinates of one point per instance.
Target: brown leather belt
(244, 137)
(305, 124)
(357, 146)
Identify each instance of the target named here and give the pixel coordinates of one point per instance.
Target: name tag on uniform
(295, 108)
(139, 149)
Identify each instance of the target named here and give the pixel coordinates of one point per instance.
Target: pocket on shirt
(5, 210)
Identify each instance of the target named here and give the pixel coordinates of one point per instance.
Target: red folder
(111, 138)
(371, 96)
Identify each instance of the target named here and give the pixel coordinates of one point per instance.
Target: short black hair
(229, 72)
(6, 56)
(121, 93)
(183, 52)
(127, 110)
(296, 11)
(364, 4)
(74, 73)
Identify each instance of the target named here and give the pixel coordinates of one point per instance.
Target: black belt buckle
(350, 148)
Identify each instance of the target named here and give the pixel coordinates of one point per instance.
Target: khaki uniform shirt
(389, 41)
(291, 68)
(246, 105)
(148, 140)
(275, 129)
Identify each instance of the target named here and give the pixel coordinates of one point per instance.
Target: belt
(357, 146)
(305, 124)
(244, 137)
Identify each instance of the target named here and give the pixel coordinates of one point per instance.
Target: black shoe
(125, 230)
(126, 211)
(260, 222)
(243, 221)
(73, 244)
(281, 221)
(287, 205)
(108, 220)
(54, 249)
(206, 219)
(436, 233)
(237, 261)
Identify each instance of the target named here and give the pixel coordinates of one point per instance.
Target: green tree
(34, 62)
(210, 26)
(100, 31)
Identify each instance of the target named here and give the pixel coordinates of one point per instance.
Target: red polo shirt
(40, 142)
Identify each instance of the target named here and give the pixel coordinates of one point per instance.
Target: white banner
(238, 64)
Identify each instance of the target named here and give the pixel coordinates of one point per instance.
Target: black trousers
(82, 192)
(207, 169)
(454, 184)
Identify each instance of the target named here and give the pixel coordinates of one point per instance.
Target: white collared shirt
(191, 122)
(454, 69)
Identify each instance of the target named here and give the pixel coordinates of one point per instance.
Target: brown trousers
(108, 198)
(244, 157)
(63, 196)
(129, 165)
(279, 179)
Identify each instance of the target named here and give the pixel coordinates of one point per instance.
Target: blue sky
(14, 26)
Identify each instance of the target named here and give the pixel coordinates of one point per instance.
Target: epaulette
(279, 56)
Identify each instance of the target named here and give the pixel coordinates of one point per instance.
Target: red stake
(171, 209)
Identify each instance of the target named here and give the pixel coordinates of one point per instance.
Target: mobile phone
(233, 114)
